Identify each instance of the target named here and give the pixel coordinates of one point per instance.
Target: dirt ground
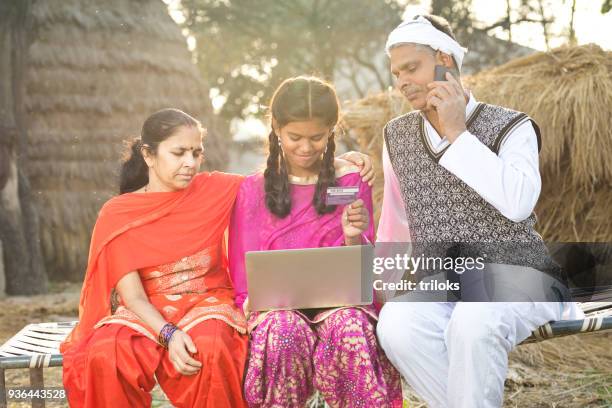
(572, 372)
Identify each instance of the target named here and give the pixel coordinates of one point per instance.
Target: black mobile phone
(440, 73)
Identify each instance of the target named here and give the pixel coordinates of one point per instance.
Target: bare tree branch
(505, 23)
(544, 25)
(351, 74)
(370, 66)
(509, 17)
(572, 32)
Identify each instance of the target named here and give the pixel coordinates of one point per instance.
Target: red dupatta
(137, 230)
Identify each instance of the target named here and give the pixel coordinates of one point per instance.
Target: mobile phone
(440, 73)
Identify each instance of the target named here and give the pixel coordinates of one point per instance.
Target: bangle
(165, 334)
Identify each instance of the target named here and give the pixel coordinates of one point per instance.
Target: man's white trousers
(456, 354)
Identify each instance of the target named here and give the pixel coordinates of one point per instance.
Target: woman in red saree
(161, 245)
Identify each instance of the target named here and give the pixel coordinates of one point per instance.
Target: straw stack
(568, 92)
(363, 121)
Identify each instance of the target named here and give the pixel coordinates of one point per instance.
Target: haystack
(363, 121)
(97, 70)
(569, 94)
(568, 91)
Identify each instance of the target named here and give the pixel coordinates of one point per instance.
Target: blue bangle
(165, 334)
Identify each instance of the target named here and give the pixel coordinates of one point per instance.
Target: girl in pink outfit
(294, 352)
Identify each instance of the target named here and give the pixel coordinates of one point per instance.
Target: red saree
(176, 242)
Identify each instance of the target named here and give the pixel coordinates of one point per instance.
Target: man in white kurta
(456, 354)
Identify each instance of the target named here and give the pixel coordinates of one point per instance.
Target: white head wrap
(421, 31)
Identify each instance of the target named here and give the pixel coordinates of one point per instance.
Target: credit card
(341, 195)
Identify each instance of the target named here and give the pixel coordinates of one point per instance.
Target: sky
(590, 25)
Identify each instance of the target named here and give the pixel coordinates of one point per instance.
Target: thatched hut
(96, 70)
(568, 91)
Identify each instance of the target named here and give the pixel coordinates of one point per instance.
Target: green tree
(245, 48)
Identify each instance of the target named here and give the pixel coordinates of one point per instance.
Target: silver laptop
(309, 278)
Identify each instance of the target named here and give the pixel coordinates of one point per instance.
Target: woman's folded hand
(180, 349)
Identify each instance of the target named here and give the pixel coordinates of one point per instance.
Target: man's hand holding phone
(448, 99)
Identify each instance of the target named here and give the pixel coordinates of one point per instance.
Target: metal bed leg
(37, 381)
(2, 389)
